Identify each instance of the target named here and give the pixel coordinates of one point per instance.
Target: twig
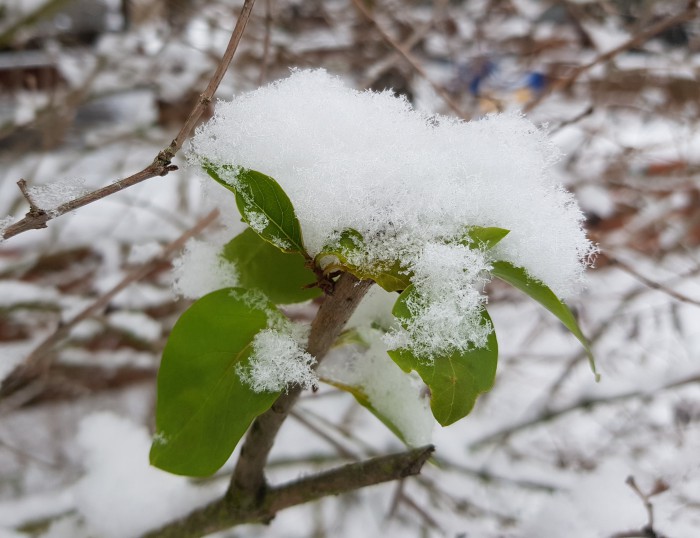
(586, 403)
(266, 43)
(642, 37)
(652, 283)
(228, 512)
(161, 165)
(27, 380)
(339, 448)
(648, 530)
(418, 68)
(248, 478)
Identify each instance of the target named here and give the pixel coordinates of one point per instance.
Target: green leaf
(264, 206)
(362, 398)
(203, 408)
(456, 379)
(487, 237)
(282, 276)
(336, 256)
(518, 277)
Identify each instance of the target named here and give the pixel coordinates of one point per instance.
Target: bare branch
(161, 165)
(403, 51)
(27, 380)
(565, 83)
(228, 511)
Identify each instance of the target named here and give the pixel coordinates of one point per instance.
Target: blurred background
(91, 90)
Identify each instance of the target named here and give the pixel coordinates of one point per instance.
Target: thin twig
(27, 380)
(161, 165)
(642, 37)
(652, 283)
(418, 68)
(266, 43)
(226, 512)
(583, 404)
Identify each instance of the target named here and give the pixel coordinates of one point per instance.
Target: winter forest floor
(547, 453)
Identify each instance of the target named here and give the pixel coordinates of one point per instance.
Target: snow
(4, 223)
(121, 495)
(399, 396)
(327, 144)
(446, 311)
(52, 195)
(277, 362)
(201, 269)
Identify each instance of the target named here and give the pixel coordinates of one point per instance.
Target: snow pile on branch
(410, 184)
(277, 362)
(52, 195)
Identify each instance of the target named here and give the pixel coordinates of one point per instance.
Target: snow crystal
(398, 396)
(121, 495)
(52, 195)
(277, 361)
(257, 221)
(446, 310)
(201, 270)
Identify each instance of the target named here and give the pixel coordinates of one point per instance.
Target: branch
(161, 166)
(27, 380)
(226, 512)
(405, 53)
(583, 404)
(248, 477)
(565, 83)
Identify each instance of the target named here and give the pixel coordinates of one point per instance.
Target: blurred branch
(404, 52)
(648, 530)
(615, 262)
(161, 166)
(42, 12)
(30, 378)
(689, 13)
(583, 404)
(230, 511)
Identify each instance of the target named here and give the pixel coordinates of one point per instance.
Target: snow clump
(277, 361)
(411, 184)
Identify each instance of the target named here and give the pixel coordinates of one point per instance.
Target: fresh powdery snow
(276, 362)
(411, 184)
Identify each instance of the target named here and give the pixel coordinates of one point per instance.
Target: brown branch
(248, 479)
(228, 512)
(417, 67)
(615, 262)
(27, 380)
(642, 37)
(161, 165)
(583, 404)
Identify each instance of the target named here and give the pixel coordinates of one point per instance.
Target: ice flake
(446, 308)
(277, 362)
(257, 221)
